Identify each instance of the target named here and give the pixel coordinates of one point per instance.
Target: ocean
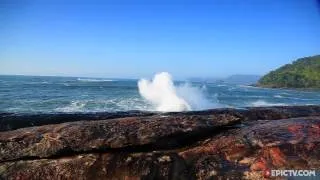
(39, 94)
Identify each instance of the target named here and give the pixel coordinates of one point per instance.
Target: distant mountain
(242, 79)
(302, 73)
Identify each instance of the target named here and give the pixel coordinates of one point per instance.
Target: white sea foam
(165, 96)
(265, 103)
(74, 106)
(278, 96)
(100, 105)
(94, 80)
(37, 82)
(66, 84)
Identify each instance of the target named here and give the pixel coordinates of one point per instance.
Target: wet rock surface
(213, 144)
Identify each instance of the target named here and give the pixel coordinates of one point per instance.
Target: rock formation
(222, 143)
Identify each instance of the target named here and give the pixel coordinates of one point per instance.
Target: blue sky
(133, 39)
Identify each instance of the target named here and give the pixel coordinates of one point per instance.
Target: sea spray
(194, 96)
(165, 96)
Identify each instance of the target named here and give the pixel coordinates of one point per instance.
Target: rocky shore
(212, 144)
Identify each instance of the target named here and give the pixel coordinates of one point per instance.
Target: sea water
(39, 94)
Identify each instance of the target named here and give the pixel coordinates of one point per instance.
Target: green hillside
(302, 73)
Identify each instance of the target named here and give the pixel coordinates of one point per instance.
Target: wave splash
(165, 96)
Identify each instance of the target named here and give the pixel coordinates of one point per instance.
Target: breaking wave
(74, 106)
(262, 103)
(165, 96)
(103, 105)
